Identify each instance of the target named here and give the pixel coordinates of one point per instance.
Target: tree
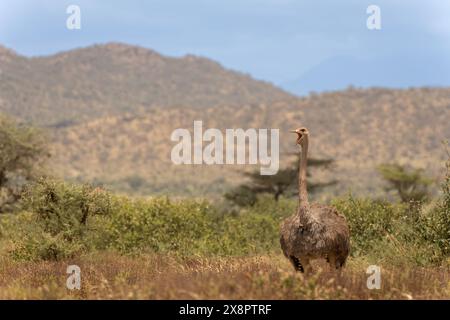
(285, 183)
(22, 149)
(242, 196)
(410, 184)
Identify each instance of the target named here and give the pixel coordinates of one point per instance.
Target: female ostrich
(315, 231)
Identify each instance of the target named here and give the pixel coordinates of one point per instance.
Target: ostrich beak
(293, 131)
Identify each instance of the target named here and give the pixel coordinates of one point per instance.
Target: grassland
(156, 276)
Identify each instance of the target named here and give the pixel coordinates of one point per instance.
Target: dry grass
(110, 276)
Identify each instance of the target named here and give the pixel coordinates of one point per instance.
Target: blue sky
(299, 45)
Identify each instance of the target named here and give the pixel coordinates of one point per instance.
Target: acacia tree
(285, 183)
(411, 185)
(22, 150)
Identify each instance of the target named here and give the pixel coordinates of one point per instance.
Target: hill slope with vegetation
(110, 110)
(113, 78)
(359, 129)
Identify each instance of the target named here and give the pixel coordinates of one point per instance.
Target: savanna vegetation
(158, 247)
(161, 248)
(113, 131)
(22, 151)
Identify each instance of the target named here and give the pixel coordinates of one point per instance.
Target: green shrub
(248, 233)
(65, 220)
(254, 230)
(435, 225)
(63, 208)
(156, 224)
(388, 232)
(44, 246)
(56, 226)
(190, 227)
(369, 221)
(266, 205)
(24, 238)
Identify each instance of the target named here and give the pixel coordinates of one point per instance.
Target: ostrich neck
(303, 193)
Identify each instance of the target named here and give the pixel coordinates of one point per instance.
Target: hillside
(359, 128)
(110, 79)
(110, 110)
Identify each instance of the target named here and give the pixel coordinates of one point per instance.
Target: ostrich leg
(301, 265)
(296, 263)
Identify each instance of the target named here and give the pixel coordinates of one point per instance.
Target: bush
(64, 209)
(65, 220)
(369, 221)
(189, 228)
(56, 226)
(157, 224)
(254, 230)
(44, 246)
(435, 226)
(249, 233)
(383, 231)
(25, 239)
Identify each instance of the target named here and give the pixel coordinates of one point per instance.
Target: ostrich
(315, 230)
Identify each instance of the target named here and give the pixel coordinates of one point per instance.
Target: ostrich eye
(302, 130)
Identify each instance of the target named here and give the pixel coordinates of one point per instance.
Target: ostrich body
(315, 230)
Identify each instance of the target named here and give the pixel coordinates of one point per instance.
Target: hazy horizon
(296, 45)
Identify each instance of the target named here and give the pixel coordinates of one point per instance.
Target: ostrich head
(302, 134)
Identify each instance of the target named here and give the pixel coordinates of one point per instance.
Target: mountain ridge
(99, 80)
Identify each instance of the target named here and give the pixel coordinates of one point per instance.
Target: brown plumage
(314, 231)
